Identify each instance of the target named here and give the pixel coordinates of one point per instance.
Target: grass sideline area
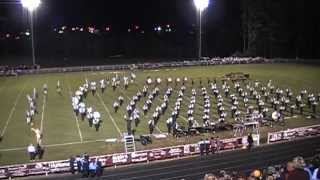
(64, 135)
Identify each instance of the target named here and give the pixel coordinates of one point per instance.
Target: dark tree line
(274, 28)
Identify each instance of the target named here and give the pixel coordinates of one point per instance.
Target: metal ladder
(129, 143)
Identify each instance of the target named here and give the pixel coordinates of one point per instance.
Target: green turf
(60, 126)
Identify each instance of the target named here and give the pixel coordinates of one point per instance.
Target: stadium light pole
(31, 6)
(201, 5)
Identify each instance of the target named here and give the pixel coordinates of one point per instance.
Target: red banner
(293, 133)
(43, 168)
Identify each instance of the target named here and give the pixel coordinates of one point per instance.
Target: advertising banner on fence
(44, 168)
(293, 133)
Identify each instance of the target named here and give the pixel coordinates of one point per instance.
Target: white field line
(157, 128)
(54, 145)
(75, 117)
(185, 119)
(12, 111)
(42, 114)
(108, 112)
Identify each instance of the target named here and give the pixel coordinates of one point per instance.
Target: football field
(65, 134)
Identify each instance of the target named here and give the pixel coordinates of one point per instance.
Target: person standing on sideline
(85, 167)
(99, 170)
(201, 147)
(207, 146)
(79, 163)
(92, 168)
(250, 141)
(39, 151)
(71, 164)
(32, 152)
(213, 145)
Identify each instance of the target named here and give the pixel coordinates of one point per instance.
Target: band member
(96, 120)
(102, 85)
(82, 110)
(120, 99)
(45, 89)
(90, 115)
(93, 87)
(151, 126)
(58, 87)
(116, 106)
(38, 134)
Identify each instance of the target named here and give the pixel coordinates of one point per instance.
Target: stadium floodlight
(200, 5)
(31, 5)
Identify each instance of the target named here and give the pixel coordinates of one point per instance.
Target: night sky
(268, 28)
(118, 14)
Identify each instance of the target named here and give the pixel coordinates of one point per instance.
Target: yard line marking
(185, 119)
(42, 114)
(108, 112)
(54, 145)
(157, 128)
(76, 118)
(12, 111)
(73, 143)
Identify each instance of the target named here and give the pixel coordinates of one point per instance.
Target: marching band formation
(248, 103)
(242, 101)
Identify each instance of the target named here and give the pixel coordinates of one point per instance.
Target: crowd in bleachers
(235, 60)
(16, 70)
(296, 169)
(22, 69)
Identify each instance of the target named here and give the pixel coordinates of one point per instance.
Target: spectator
(219, 144)
(201, 147)
(32, 152)
(92, 168)
(316, 174)
(79, 163)
(250, 141)
(213, 145)
(207, 146)
(296, 171)
(289, 170)
(39, 151)
(210, 177)
(85, 168)
(71, 162)
(99, 170)
(256, 174)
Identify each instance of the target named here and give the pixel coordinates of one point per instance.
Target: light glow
(31, 5)
(201, 4)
